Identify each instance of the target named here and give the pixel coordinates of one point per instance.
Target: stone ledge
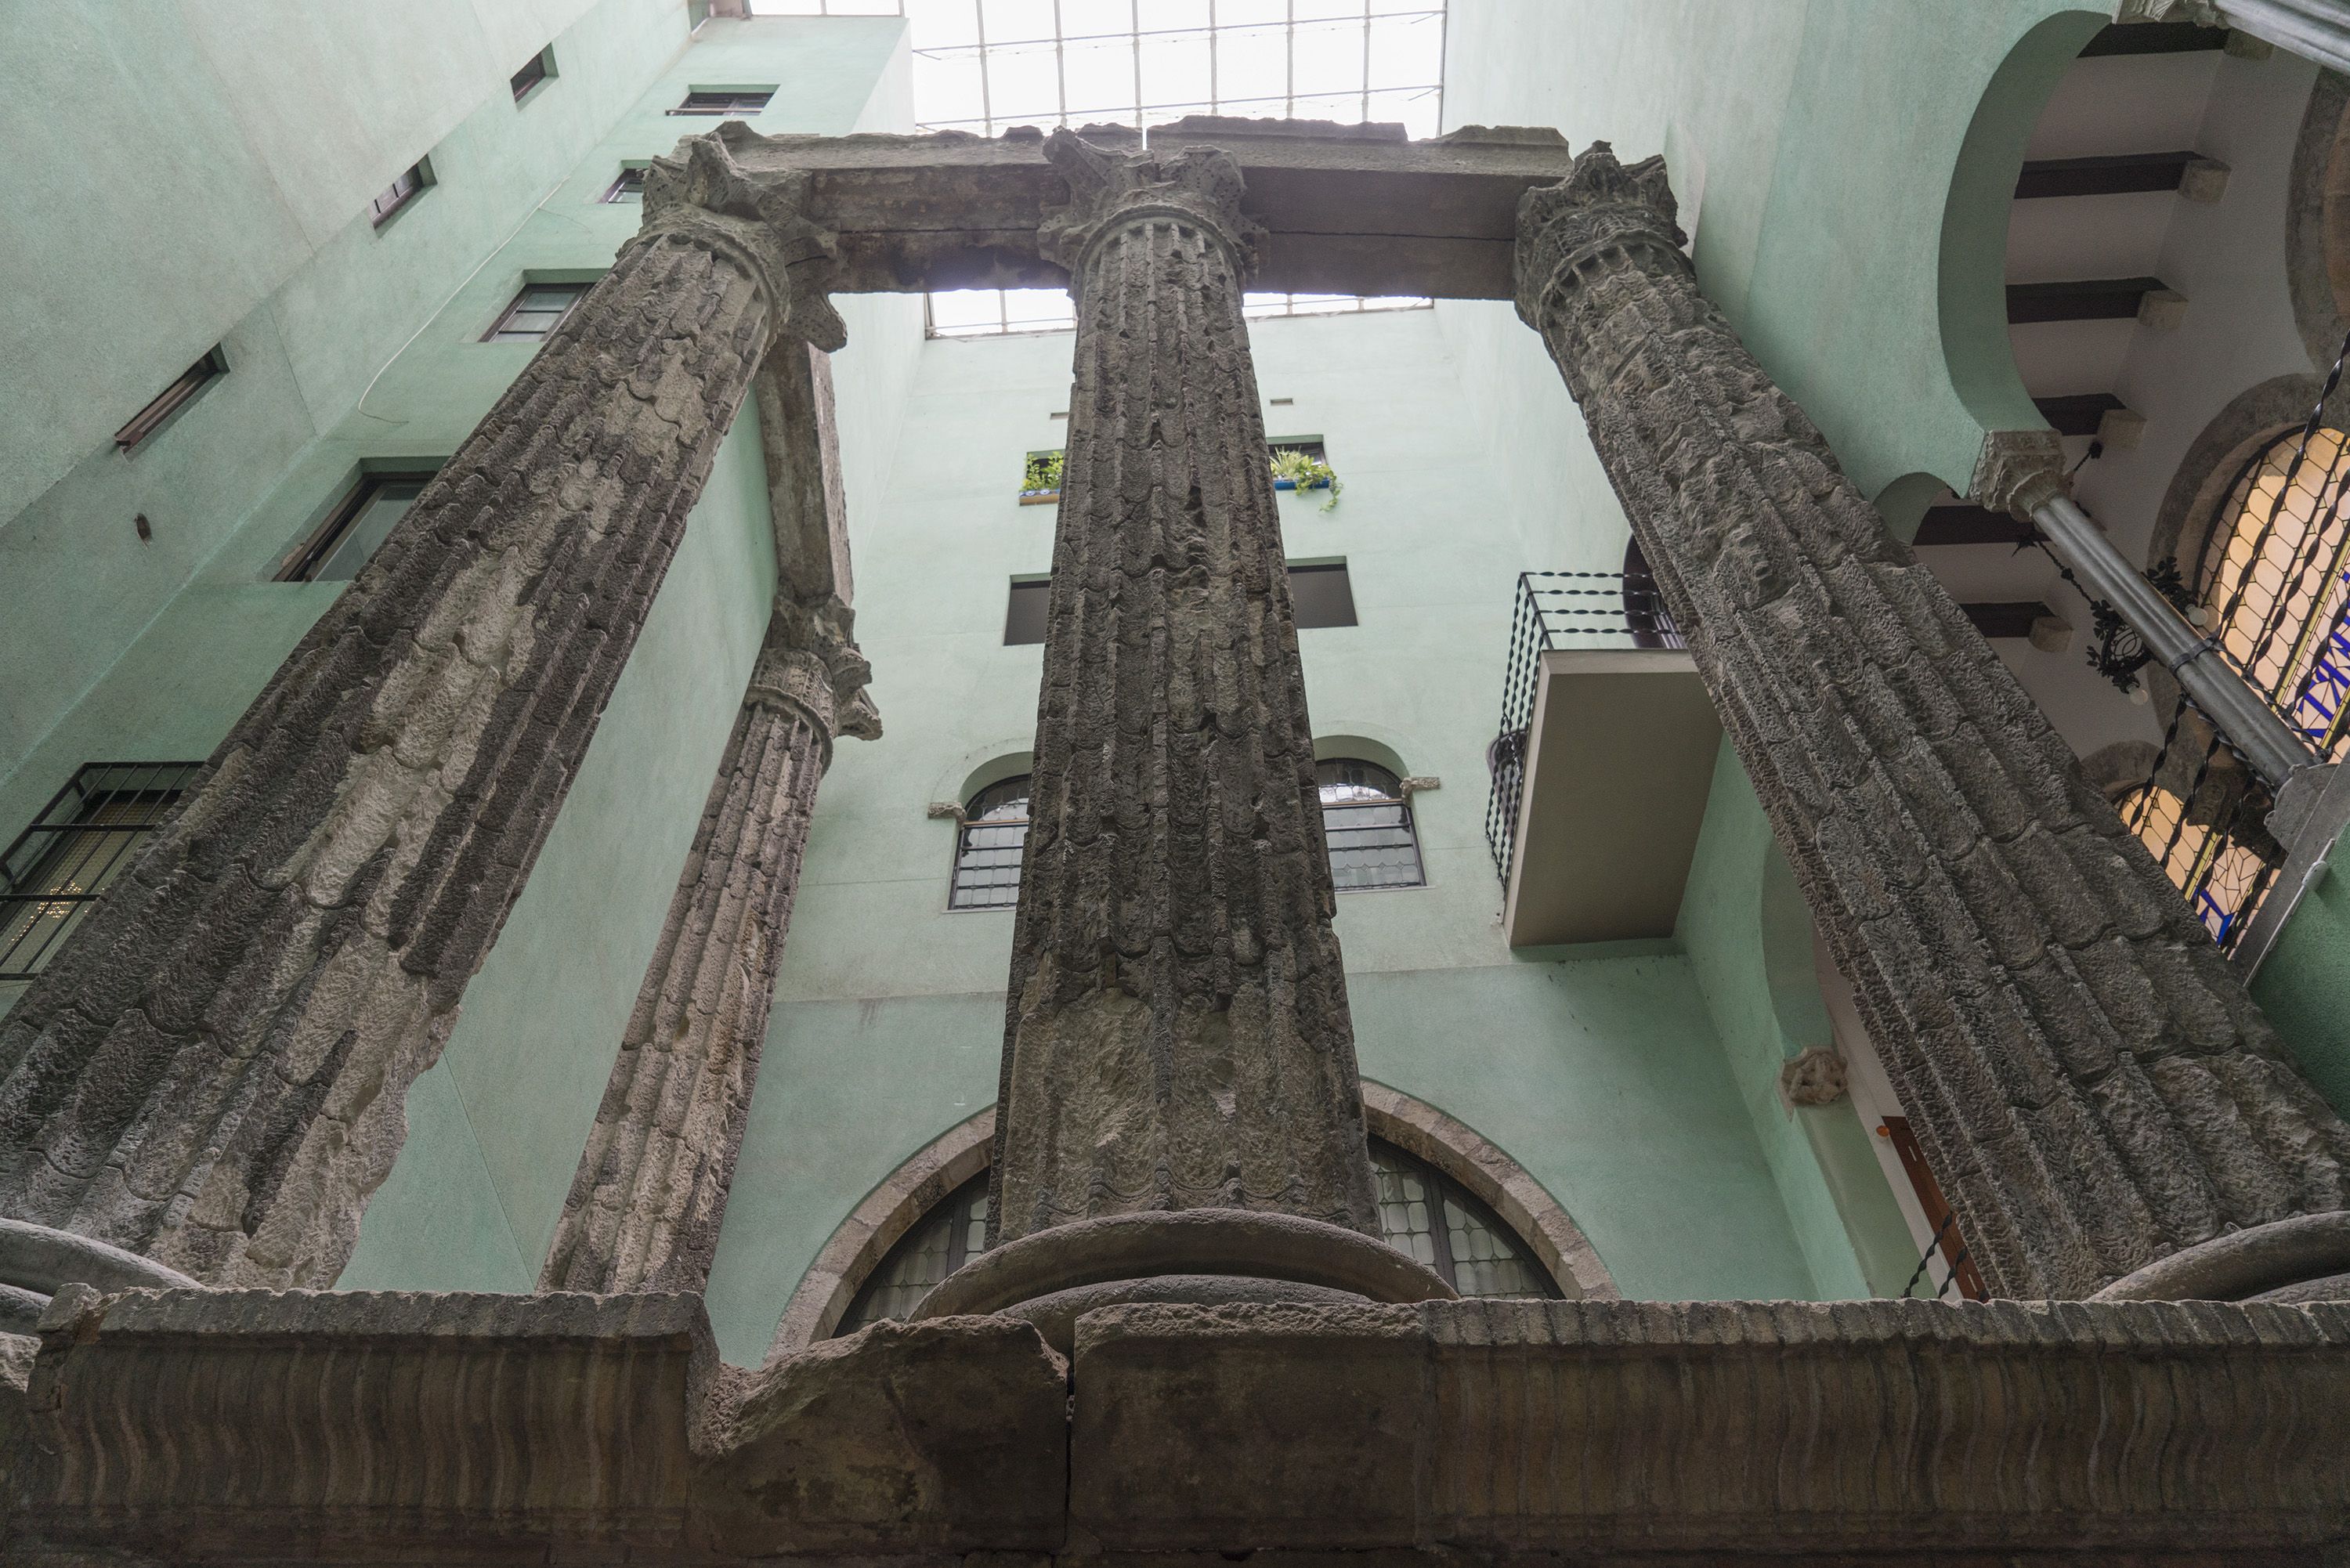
(1889, 1427)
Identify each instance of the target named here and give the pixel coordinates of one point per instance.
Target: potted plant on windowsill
(1040, 480)
(1301, 470)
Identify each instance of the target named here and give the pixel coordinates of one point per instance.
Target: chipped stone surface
(2093, 1087)
(645, 1205)
(212, 1071)
(1177, 1033)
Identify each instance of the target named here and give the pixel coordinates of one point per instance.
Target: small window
(1366, 822)
(171, 400)
(739, 100)
(1429, 1216)
(536, 312)
(360, 522)
(541, 66)
(1024, 611)
(629, 187)
(401, 192)
(988, 847)
(1321, 595)
(943, 1241)
(83, 841)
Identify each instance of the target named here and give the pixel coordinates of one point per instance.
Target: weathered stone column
(645, 1205)
(211, 1074)
(1177, 1041)
(2094, 1089)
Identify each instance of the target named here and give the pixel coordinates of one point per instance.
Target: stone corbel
(1416, 783)
(759, 224)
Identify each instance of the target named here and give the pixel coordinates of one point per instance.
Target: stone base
(1256, 1251)
(36, 1261)
(2303, 1259)
(1055, 1315)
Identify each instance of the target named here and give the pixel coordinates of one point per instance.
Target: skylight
(983, 66)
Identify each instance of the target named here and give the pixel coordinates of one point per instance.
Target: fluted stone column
(2093, 1086)
(212, 1073)
(645, 1205)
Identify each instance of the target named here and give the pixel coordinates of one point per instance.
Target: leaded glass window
(988, 848)
(1367, 822)
(946, 1238)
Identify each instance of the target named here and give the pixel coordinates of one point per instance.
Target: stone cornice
(1602, 206)
(1110, 189)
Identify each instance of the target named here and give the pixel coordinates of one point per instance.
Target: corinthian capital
(1109, 190)
(760, 224)
(1601, 206)
(810, 662)
(2019, 471)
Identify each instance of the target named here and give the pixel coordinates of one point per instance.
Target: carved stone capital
(1602, 206)
(1815, 1076)
(809, 662)
(1110, 191)
(708, 198)
(2020, 471)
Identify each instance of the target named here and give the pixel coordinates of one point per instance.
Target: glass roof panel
(983, 66)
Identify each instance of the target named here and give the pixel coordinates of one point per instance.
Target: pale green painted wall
(2304, 986)
(1601, 1072)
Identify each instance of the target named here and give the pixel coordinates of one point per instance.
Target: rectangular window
(536, 312)
(171, 400)
(1023, 615)
(1321, 595)
(85, 838)
(541, 66)
(725, 100)
(629, 187)
(400, 192)
(360, 521)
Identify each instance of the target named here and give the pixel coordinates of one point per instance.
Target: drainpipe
(2022, 473)
(2314, 29)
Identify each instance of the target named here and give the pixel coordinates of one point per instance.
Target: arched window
(1421, 1211)
(987, 848)
(1367, 822)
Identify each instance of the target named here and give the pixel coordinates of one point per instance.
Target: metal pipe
(2273, 748)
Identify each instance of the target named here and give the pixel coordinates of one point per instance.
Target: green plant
(1304, 470)
(1043, 472)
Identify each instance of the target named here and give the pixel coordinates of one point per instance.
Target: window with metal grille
(85, 838)
(541, 66)
(629, 187)
(171, 400)
(536, 312)
(1422, 1212)
(397, 195)
(988, 847)
(725, 100)
(359, 522)
(1366, 821)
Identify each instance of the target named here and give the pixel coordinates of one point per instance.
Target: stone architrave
(212, 1072)
(2090, 1083)
(1177, 1034)
(646, 1202)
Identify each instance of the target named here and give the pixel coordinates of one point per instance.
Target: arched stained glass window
(1422, 1212)
(988, 847)
(1368, 824)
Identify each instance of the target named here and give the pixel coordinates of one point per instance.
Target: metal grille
(989, 845)
(1366, 821)
(941, 1242)
(1560, 609)
(85, 838)
(2272, 587)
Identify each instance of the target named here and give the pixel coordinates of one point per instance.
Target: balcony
(1603, 763)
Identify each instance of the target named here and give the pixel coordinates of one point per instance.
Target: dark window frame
(1313, 571)
(1019, 611)
(171, 400)
(974, 818)
(743, 102)
(627, 186)
(503, 330)
(1393, 796)
(401, 193)
(535, 74)
(314, 550)
(45, 851)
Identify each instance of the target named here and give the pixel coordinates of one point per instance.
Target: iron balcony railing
(1557, 610)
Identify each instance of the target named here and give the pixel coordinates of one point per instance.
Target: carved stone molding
(2088, 1079)
(2020, 472)
(1815, 1076)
